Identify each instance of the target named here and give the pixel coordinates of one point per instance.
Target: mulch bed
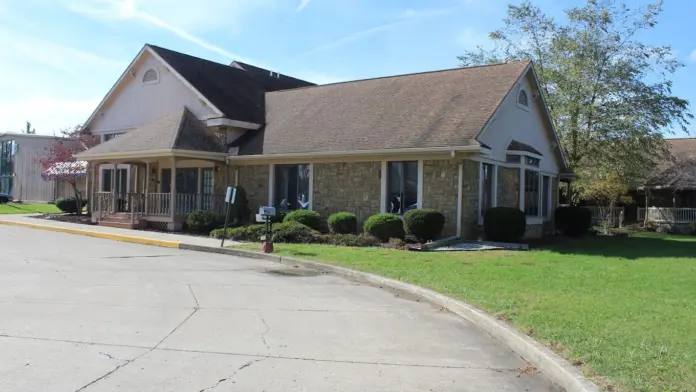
(69, 218)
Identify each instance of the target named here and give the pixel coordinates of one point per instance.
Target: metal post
(224, 230)
(147, 185)
(172, 202)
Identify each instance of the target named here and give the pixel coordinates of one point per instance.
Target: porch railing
(155, 204)
(667, 215)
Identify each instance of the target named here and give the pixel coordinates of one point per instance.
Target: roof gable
(433, 109)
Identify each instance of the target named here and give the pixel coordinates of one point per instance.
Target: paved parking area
(86, 314)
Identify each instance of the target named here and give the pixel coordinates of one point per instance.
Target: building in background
(20, 169)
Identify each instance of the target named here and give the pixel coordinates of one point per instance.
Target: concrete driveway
(85, 314)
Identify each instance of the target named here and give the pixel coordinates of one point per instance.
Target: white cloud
(470, 38)
(47, 114)
(692, 56)
(18, 47)
(303, 4)
(177, 20)
(407, 16)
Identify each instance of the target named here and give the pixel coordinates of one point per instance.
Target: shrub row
(294, 232)
(69, 204)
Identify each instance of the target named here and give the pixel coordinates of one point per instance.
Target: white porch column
(172, 202)
(114, 202)
(147, 185)
(199, 187)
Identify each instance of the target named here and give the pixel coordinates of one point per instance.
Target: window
(109, 136)
(8, 149)
(291, 188)
(545, 196)
(531, 192)
(186, 181)
(402, 186)
(510, 158)
(487, 187)
(150, 76)
(529, 161)
(207, 190)
(107, 180)
(522, 98)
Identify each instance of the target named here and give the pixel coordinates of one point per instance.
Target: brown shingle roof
(433, 109)
(679, 170)
(179, 130)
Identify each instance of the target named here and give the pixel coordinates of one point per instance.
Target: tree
(28, 129)
(60, 160)
(606, 190)
(610, 94)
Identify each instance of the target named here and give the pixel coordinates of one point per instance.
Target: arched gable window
(523, 99)
(150, 76)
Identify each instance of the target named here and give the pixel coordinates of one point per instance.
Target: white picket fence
(667, 215)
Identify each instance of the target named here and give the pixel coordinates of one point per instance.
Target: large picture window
(402, 186)
(487, 187)
(531, 192)
(291, 188)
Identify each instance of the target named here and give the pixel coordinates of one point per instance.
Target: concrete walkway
(89, 314)
(148, 237)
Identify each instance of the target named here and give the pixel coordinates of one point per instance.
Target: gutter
(352, 153)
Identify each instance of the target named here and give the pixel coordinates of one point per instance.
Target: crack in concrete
(263, 334)
(231, 376)
(129, 361)
(282, 357)
(194, 296)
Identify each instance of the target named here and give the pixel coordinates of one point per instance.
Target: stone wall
(352, 187)
(440, 181)
(254, 180)
(470, 200)
(508, 187)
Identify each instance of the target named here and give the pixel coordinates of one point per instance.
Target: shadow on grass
(301, 253)
(636, 247)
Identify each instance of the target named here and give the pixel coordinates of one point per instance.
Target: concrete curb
(108, 236)
(557, 369)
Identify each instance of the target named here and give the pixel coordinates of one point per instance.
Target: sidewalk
(137, 236)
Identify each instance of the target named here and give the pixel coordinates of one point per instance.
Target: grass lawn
(11, 208)
(625, 306)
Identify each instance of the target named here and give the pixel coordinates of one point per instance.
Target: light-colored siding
(526, 126)
(27, 183)
(134, 103)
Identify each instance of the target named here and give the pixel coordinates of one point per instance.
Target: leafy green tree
(610, 94)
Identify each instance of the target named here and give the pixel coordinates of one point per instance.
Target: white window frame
(105, 167)
(104, 136)
(155, 81)
(271, 184)
(384, 185)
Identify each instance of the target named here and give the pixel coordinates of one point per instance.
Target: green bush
(201, 221)
(279, 217)
(573, 221)
(424, 223)
(288, 232)
(239, 212)
(504, 224)
(67, 204)
(308, 218)
(361, 240)
(293, 232)
(384, 226)
(343, 223)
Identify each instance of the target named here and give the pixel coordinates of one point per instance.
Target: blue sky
(59, 57)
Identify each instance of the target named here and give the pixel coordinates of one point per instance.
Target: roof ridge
(403, 75)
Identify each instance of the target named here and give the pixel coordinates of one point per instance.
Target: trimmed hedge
(504, 224)
(343, 223)
(201, 221)
(385, 226)
(308, 218)
(573, 221)
(424, 223)
(282, 232)
(361, 240)
(68, 204)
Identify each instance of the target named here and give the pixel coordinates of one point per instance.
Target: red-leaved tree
(59, 162)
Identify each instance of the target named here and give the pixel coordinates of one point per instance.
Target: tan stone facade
(508, 187)
(254, 180)
(352, 187)
(440, 181)
(470, 199)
